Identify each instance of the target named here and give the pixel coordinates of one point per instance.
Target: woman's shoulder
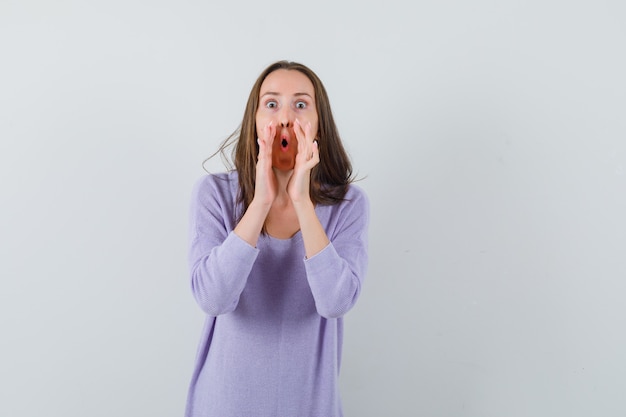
(356, 195)
(223, 184)
(352, 212)
(355, 201)
(217, 180)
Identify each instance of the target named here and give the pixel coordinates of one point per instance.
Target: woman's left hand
(307, 157)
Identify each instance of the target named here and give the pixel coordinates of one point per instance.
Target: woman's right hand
(265, 188)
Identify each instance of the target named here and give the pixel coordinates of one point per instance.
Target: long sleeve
(219, 260)
(336, 274)
(275, 353)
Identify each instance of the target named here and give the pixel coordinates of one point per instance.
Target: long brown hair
(329, 178)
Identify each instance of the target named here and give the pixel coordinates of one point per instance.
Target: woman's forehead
(287, 82)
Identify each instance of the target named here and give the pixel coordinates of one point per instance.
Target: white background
(492, 139)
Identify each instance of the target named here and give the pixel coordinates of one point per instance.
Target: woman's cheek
(311, 119)
(261, 121)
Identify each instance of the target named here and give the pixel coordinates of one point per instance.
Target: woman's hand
(307, 157)
(313, 233)
(265, 188)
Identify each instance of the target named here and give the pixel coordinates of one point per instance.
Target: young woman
(278, 255)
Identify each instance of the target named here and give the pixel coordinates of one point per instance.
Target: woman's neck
(282, 179)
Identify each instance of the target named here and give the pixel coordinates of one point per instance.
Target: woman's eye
(271, 104)
(301, 105)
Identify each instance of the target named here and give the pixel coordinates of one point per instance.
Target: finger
(305, 139)
(314, 144)
(315, 153)
(269, 131)
(266, 139)
(304, 131)
(308, 130)
(300, 135)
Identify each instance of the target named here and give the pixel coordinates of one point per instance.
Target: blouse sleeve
(336, 274)
(220, 261)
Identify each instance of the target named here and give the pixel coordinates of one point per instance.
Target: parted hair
(329, 178)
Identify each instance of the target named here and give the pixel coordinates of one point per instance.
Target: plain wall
(491, 137)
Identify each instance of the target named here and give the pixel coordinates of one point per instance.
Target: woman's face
(286, 95)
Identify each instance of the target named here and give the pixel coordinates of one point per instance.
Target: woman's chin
(284, 164)
(283, 167)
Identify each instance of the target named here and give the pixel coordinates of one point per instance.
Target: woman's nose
(285, 118)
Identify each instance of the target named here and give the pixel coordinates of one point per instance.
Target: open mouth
(284, 143)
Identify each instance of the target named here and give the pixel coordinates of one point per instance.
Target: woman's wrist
(251, 224)
(303, 205)
(260, 205)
